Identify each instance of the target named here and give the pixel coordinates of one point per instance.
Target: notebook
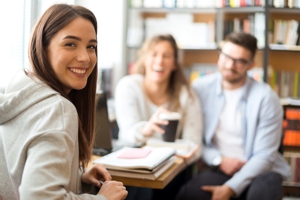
(104, 143)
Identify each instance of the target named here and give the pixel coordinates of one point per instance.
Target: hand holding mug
(153, 125)
(170, 129)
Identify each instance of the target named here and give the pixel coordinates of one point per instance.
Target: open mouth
(78, 71)
(158, 69)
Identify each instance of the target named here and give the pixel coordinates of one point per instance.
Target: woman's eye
(167, 56)
(92, 47)
(70, 45)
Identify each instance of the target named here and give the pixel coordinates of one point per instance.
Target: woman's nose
(83, 56)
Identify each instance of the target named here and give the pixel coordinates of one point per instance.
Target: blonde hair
(177, 78)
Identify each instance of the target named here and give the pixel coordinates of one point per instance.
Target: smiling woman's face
(160, 62)
(72, 53)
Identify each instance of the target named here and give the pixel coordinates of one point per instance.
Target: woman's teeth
(78, 71)
(158, 69)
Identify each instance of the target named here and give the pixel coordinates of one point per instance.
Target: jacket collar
(219, 89)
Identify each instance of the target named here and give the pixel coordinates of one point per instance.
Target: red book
(242, 3)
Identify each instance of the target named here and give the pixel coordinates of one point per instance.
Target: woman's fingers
(158, 129)
(102, 171)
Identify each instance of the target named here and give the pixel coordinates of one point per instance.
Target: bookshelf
(280, 57)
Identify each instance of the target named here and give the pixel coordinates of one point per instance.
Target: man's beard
(235, 80)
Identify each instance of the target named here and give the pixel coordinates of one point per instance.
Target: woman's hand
(113, 190)
(153, 125)
(94, 174)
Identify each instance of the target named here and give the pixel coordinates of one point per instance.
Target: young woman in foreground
(47, 114)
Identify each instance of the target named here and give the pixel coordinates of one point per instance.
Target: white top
(134, 109)
(230, 133)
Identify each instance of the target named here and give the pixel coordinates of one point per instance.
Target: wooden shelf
(284, 60)
(200, 10)
(242, 9)
(285, 10)
(186, 49)
(291, 184)
(291, 149)
(285, 16)
(281, 47)
(176, 10)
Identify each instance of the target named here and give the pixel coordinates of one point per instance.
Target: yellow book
(193, 76)
(273, 80)
(232, 3)
(296, 84)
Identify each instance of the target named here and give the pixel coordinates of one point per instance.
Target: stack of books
(143, 163)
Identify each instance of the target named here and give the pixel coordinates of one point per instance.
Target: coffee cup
(171, 128)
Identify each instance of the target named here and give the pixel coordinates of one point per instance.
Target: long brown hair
(54, 19)
(177, 78)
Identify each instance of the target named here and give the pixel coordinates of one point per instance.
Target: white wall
(110, 15)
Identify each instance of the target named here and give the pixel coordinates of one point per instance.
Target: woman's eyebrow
(78, 38)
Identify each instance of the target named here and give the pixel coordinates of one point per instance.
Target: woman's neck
(157, 92)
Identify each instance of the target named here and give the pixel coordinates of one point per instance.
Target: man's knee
(267, 186)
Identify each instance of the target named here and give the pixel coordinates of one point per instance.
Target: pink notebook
(135, 153)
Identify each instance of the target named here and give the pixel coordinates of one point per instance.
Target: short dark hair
(243, 39)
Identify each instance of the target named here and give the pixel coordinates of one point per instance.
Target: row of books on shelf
(293, 158)
(285, 32)
(188, 34)
(200, 70)
(285, 3)
(291, 127)
(194, 3)
(253, 24)
(285, 83)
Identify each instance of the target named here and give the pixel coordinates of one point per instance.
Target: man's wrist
(216, 161)
(229, 190)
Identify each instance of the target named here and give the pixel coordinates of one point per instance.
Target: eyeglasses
(239, 63)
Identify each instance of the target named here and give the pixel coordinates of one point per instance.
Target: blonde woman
(158, 86)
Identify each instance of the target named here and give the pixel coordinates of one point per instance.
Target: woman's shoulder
(132, 79)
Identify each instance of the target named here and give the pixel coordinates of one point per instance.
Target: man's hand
(231, 165)
(222, 192)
